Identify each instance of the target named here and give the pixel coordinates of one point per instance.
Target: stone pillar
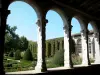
(85, 52)
(67, 45)
(3, 17)
(0, 19)
(41, 64)
(97, 48)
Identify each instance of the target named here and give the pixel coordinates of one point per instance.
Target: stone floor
(78, 69)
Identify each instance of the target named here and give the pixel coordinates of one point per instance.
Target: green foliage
(32, 46)
(11, 54)
(8, 65)
(52, 48)
(49, 49)
(28, 55)
(56, 48)
(17, 55)
(58, 58)
(11, 38)
(76, 59)
(22, 54)
(23, 43)
(72, 46)
(92, 60)
(13, 65)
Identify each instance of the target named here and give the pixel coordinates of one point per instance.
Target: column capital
(5, 12)
(84, 31)
(67, 27)
(40, 21)
(96, 35)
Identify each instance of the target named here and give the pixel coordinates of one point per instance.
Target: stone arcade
(86, 11)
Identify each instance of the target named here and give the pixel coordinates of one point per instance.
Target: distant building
(78, 44)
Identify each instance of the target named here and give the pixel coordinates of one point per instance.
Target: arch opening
(54, 32)
(19, 40)
(76, 35)
(91, 44)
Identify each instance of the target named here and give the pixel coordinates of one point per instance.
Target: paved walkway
(34, 72)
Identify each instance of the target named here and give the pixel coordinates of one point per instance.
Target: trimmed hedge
(58, 58)
(11, 54)
(76, 59)
(32, 46)
(52, 46)
(22, 54)
(17, 55)
(28, 55)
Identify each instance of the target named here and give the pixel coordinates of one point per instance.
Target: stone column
(85, 52)
(3, 16)
(41, 64)
(97, 48)
(67, 45)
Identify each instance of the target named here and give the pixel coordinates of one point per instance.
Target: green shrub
(28, 55)
(76, 59)
(91, 60)
(58, 58)
(17, 55)
(8, 65)
(22, 54)
(11, 54)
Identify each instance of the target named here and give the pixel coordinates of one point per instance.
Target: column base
(85, 63)
(97, 61)
(40, 69)
(68, 66)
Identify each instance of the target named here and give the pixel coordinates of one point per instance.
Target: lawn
(12, 65)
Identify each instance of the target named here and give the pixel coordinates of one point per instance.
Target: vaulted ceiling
(90, 7)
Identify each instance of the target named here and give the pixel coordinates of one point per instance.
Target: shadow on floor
(94, 70)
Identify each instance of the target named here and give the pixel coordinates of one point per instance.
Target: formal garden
(21, 54)
(26, 62)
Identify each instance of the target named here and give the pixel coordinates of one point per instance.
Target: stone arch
(81, 21)
(93, 24)
(60, 12)
(32, 4)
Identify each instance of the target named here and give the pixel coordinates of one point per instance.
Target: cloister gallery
(80, 10)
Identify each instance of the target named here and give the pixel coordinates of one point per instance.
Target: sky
(24, 17)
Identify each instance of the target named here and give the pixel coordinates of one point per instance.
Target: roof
(78, 34)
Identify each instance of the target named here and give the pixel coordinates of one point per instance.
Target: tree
(11, 38)
(23, 43)
(28, 55)
(11, 54)
(58, 58)
(17, 55)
